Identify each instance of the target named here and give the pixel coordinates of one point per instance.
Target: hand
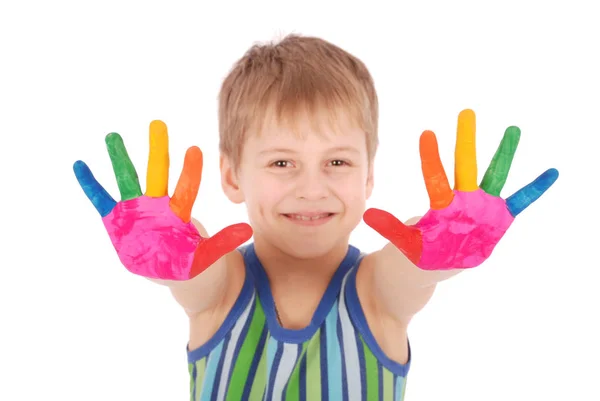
(153, 233)
(463, 225)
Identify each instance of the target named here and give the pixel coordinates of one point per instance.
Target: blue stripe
(240, 341)
(254, 366)
(399, 383)
(324, 364)
(334, 357)
(194, 379)
(380, 380)
(273, 367)
(343, 361)
(209, 375)
(219, 370)
(303, 378)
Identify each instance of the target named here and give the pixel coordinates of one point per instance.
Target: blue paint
(525, 196)
(102, 201)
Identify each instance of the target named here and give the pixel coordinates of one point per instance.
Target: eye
(280, 163)
(339, 163)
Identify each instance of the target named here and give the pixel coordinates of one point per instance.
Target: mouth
(309, 218)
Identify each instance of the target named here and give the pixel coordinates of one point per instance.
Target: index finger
(465, 160)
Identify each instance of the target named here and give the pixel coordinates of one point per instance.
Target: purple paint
(464, 234)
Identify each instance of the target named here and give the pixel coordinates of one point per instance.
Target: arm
(402, 288)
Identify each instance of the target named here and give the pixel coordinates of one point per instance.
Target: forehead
(308, 129)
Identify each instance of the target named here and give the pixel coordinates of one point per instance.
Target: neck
(288, 271)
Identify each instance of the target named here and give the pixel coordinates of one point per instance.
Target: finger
(212, 249)
(524, 197)
(157, 177)
(127, 179)
(436, 181)
(465, 160)
(102, 201)
(187, 187)
(495, 176)
(406, 238)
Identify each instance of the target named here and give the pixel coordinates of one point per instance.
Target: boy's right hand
(152, 232)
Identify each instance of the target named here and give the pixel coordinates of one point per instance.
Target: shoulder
(386, 336)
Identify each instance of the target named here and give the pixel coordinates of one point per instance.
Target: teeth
(307, 218)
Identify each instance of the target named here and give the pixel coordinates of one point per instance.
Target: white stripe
(235, 335)
(350, 351)
(285, 368)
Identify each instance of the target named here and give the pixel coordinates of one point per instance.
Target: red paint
(461, 235)
(152, 241)
(406, 238)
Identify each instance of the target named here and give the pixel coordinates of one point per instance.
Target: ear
(370, 180)
(229, 180)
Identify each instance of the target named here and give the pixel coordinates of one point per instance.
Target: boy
(299, 314)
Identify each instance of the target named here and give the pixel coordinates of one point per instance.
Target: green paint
(127, 178)
(497, 173)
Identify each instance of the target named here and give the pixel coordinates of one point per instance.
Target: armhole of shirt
(357, 316)
(243, 301)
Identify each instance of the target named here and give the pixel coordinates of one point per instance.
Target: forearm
(201, 293)
(404, 289)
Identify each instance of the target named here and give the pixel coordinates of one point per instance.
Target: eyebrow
(334, 149)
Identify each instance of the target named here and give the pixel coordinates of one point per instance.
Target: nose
(312, 184)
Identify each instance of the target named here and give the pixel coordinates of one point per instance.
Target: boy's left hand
(463, 225)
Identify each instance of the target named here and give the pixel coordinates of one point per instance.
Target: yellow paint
(465, 165)
(157, 177)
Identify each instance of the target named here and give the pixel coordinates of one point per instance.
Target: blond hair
(296, 75)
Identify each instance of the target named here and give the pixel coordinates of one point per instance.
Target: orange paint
(436, 181)
(187, 187)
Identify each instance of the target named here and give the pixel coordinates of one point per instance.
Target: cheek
(264, 196)
(352, 189)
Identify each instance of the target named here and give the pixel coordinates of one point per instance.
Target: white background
(76, 325)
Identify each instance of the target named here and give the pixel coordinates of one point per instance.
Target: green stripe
(191, 371)
(260, 379)
(200, 369)
(388, 385)
(313, 368)
(371, 372)
(293, 388)
(246, 354)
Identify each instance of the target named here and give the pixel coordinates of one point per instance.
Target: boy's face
(304, 193)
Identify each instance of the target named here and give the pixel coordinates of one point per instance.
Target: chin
(311, 245)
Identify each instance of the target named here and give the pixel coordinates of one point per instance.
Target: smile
(309, 219)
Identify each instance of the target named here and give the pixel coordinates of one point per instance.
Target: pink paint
(151, 240)
(464, 234)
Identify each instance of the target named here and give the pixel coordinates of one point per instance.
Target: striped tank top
(251, 357)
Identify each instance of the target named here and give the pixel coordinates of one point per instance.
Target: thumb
(406, 238)
(212, 249)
